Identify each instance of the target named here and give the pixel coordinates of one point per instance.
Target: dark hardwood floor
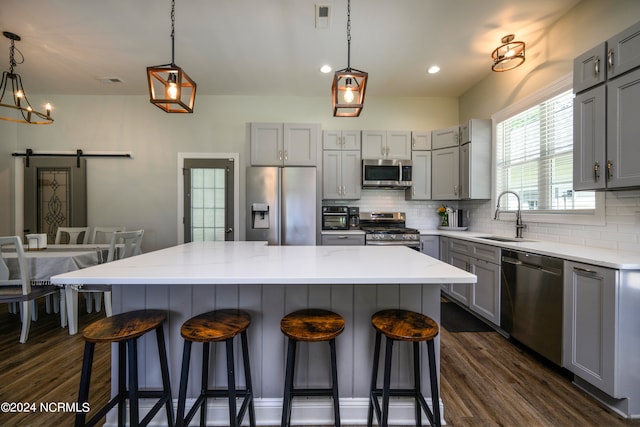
(486, 381)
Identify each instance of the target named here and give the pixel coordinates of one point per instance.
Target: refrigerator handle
(279, 207)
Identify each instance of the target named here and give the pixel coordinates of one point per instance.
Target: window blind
(534, 158)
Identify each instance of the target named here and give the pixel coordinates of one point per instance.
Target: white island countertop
(256, 263)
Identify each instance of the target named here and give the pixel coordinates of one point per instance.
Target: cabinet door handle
(610, 58)
(596, 66)
(455, 190)
(596, 171)
(286, 155)
(280, 155)
(586, 271)
(609, 166)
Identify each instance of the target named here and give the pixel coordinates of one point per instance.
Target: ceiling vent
(323, 16)
(110, 80)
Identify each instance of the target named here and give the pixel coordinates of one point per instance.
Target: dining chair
(20, 289)
(124, 244)
(74, 235)
(104, 234)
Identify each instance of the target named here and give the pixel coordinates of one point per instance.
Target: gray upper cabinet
(379, 144)
(623, 51)
(445, 138)
(623, 131)
(341, 140)
(284, 144)
(589, 69)
(606, 154)
(589, 148)
(475, 159)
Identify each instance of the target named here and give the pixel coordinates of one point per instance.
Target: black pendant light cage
(16, 107)
(170, 88)
(349, 85)
(509, 55)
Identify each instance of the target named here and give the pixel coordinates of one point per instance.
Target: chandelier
(509, 55)
(349, 84)
(170, 88)
(17, 108)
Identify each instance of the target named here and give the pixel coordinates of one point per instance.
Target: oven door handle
(393, 243)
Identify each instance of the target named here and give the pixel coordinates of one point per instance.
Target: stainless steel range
(388, 228)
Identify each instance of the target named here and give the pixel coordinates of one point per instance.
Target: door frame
(236, 188)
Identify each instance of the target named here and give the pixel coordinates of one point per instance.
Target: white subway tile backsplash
(620, 231)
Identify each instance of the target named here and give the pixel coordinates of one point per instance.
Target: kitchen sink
(503, 239)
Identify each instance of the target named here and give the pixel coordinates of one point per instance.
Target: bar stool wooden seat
(310, 325)
(125, 329)
(216, 326)
(404, 325)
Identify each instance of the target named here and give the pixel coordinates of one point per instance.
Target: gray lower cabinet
(589, 332)
(483, 297)
(343, 239)
(430, 245)
(600, 333)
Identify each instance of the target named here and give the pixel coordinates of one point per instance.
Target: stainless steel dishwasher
(531, 301)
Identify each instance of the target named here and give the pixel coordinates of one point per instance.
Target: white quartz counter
(618, 259)
(256, 263)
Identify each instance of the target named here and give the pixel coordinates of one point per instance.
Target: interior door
(55, 195)
(208, 199)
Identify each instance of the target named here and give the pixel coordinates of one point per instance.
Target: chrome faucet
(519, 225)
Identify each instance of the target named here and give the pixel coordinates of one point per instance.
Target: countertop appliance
(386, 173)
(354, 218)
(281, 205)
(335, 218)
(388, 228)
(531, 301)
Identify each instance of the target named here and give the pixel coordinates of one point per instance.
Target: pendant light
(509, 55)
(349, 84)
(170, 88)
(17, 108)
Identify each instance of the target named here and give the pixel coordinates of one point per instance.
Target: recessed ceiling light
(433, 69)
(325, 69)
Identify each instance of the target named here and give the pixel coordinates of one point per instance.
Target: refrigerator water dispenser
(260, 215)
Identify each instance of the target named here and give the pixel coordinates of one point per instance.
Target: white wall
(142, 193)
(549, 58)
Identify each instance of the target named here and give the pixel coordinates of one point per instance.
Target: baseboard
(306, 411)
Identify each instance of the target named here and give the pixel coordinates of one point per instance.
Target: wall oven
(386, 173)
(335, 218)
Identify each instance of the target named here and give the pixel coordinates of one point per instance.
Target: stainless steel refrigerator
(281, 205)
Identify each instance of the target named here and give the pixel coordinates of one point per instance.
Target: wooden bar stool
(403, 325)
(216, 326)
(125, 329)
(310, 325)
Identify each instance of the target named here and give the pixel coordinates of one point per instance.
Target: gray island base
(269, 282)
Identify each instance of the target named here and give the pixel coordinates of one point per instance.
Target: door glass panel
(55, 195)
(53, 201)
(208, 204)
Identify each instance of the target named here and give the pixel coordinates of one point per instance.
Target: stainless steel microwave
(386, 173)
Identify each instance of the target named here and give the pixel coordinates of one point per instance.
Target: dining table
(45, 263)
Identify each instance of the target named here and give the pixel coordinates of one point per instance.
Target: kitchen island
(269, 282)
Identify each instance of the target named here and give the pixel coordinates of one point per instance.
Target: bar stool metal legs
(217, 326)
(311, 325)
(403, 325)
(125, 329)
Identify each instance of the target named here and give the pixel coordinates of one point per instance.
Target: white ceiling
(266, 47)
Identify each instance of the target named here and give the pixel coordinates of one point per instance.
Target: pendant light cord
(173, 31)
(348, 34)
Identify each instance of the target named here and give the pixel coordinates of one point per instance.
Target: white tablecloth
(44, 264)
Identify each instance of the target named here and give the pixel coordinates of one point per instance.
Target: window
(534, 157)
